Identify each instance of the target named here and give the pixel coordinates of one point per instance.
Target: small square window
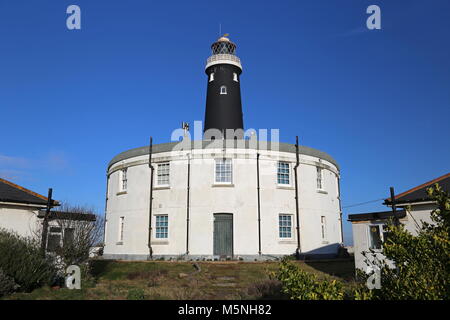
(224, 171)
(223, 90)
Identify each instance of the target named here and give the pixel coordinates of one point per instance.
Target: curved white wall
(207, 198)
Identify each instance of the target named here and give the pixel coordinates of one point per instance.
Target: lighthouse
(198, 200)
(223, 96)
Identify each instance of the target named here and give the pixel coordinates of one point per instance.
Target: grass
(181, 281)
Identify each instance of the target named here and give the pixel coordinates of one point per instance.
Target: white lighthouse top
(223, 38)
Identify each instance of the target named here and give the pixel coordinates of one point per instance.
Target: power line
(360, 204)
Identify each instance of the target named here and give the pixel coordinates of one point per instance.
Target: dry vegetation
(183, 281)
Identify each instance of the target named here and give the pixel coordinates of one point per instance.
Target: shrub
(85, 235)
(300, 285)
(21, 259)
(135, 294)
(418, 266)
(265, 289)
(7, 284)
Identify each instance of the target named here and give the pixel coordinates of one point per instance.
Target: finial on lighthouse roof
(224, 38)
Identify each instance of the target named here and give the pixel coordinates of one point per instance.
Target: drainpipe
(151, 199)
(297, 252)
(187, 204)
(340, 209)
(106, 209)
(259, 204)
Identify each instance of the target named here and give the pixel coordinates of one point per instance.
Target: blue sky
(377, 101)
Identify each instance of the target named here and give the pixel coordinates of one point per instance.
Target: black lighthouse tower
(223, 97)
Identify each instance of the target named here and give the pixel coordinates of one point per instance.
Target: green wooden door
(223, 234)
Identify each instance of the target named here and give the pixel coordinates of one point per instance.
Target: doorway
(223, 234)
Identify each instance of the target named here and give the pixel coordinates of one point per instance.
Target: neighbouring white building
(414, 208)
(19, 208)
(22, 211)
(222, 197)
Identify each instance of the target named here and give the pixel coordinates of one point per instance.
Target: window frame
(380, 236)
(288, 174)
(123, 181)
(164, 229)
(223, 91)
(61, 233)
(159, 174)
(290, 226)
(323, 228)
(319, 178)
(211, 77)
(121, 229)
(50, 234)
(235, 77)
(225, 160)
(66, 232)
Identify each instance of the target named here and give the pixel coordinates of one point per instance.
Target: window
(123, 180)
(211, 77)
(58, 237)
(163, 174)
(285, 226)
(374, 237)
(235, 77)
(323, 226)
(224, 171)
(68, 236)
(319, 178)
(283, 173)
(54, 239)
(223, 90)
(385, 233)
(121, 227)
(162, 227)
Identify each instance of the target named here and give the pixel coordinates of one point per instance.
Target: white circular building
(223, 196)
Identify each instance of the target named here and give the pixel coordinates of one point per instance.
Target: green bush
(135, 294)
(421, 263)
(7, 284)
(300, 285)
(21, 260)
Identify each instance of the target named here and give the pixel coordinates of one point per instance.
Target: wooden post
(394, 208)
(45, 222)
